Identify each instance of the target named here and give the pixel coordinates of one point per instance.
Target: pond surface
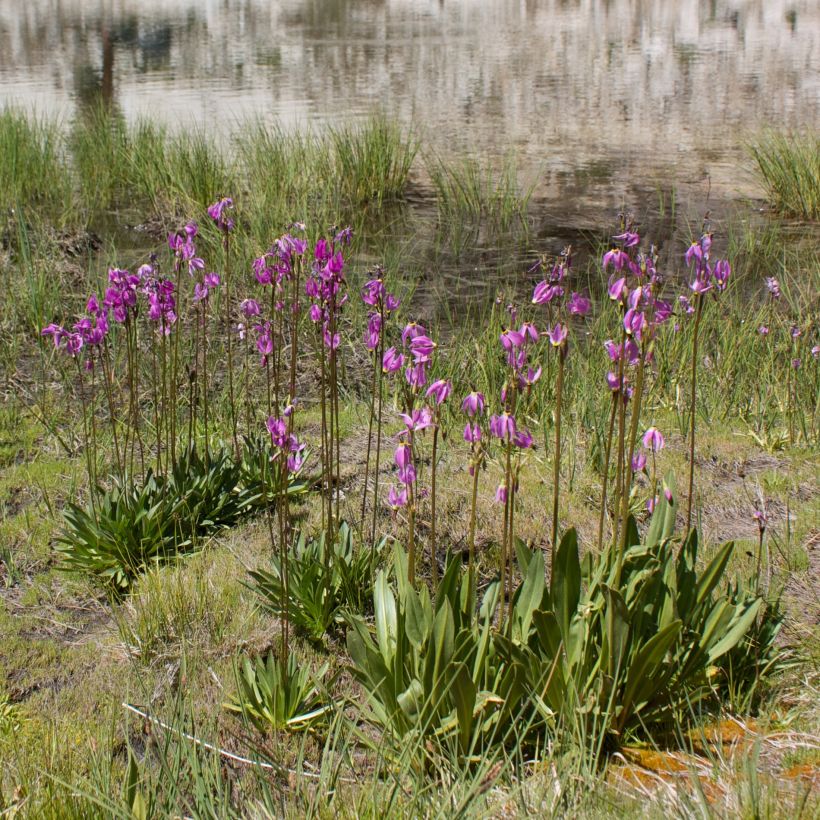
(606, 103)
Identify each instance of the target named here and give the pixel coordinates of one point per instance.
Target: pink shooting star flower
(629, 239)
(773, 286)
(617, 289)
(420, 419)
(392, 361)
(373, 333)
(217, 212)
(653, 440)
(250, 308)
(472, 433)
(396, 498)
(721, 274)
(439, 390)
(473, 404)
(522, 439)
(503, 426)
(615, 257)
(411, 330)
(578, 305)
(558, 334)
(530, 332)
(545, 292)
(511, 339)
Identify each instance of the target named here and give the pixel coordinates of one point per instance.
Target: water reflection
(590, 93)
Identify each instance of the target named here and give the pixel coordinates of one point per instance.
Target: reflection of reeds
(789, 167)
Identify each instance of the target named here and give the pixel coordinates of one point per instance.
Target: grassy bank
(112, 699)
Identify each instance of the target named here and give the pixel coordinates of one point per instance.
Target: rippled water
(604, 101)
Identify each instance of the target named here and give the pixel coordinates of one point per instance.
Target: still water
(603, 101)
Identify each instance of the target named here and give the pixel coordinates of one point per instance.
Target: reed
(788, 166)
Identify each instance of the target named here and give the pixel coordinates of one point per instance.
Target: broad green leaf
(713, 573)
(641, 679)
(464, 695)
(736, 631)
(565, 585)
(530, 595)
(385, 615)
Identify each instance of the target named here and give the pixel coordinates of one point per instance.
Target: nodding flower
(531, 377)
(761, 517)
(217, 213)
(702, 282)
(422, 348)
(392, 361)
(373, 292)
(613, 382)
(545, 292)
(473, 404)
(615, 257)
(522, 439)
(397, 498)
(511, 339)
(71, 343)
(617, 289)
(686, 304)
(721, 274)
(638, 462)
(501, 494)
(372, 335)
(411, 330)
(439, 390)
(420, 419)
(628, 238)
(530, 332)
(773, 286)
(578, 305)
(503, 426)
(558, 334)
(250, 308)
(472, 433)
(403, 455)
(763, 330)
(653, 440)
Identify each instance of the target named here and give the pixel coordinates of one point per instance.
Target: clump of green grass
(373, 160)
(32, 173)
(474, 193)
(789, 167)
(99, 147)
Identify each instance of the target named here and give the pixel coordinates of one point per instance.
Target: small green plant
(432, 671)
(259, 471)
(326, 579)
(274, 695)
(134, 526)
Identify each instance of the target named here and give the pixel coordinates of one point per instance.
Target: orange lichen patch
(809, 772)
(648, 771)
(725, 736)
(656, 761)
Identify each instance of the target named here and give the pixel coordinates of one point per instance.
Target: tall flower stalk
(219, 213)
(473, 405)
(707, 278)
(437, 393)
(287, 458)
